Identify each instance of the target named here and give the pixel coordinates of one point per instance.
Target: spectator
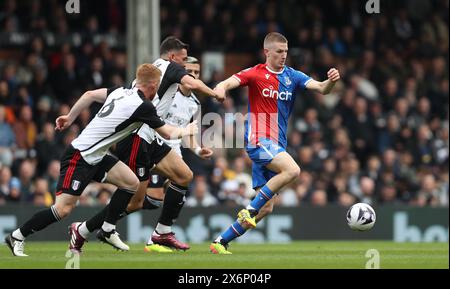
(319, 198)
(46, 148)
(25, 131)
(26, 174)
(52, 175)
(430, 193)
(9, 185)
(201, 197)
(41, 195)
(7, 140)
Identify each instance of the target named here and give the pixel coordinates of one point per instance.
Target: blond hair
(273, 37)
(146, 73)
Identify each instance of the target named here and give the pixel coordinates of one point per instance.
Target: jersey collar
(141, 94)
(274, 72)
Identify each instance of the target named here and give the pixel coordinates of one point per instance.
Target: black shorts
(76, 173)
(133, 151)
(140, 156)
(156, 181)
(157, 151)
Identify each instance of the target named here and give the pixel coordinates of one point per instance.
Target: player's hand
(192, 128)
(220, 93)
(62, 122)
(333, 75)
(205, 153)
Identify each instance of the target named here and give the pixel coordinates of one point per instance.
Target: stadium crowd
(380, 137)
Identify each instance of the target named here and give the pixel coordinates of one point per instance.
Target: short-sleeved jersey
(171, 75)
(271, 99)
(180, 114)
(124, 111)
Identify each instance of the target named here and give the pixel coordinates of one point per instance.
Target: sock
(150, 242)
(118, 205)
(83, 230)
(173, 203)
(264, 195)
(107, 227)
(17, 234)
(151, 203)
(234, 231)
(39, 221)
(96, 221)
(163, 229)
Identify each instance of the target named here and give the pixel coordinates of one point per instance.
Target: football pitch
(295, 255)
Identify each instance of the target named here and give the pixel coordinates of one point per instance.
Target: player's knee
(131, 183)
(64, 209)
(293, 173)
(185, 178)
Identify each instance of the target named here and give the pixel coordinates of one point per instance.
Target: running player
(185, 107)
(273, 88)
(141, 151)
(124, 111)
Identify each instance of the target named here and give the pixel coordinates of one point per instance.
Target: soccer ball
(361, 217)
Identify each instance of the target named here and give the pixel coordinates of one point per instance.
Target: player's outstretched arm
(326, 86)
(228, 84)
(98, 95)
(199, 87)
(172, 132)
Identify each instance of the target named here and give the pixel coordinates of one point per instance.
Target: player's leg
(154, 200)
(286, 171)
(273, 168)
(75, 174)
(173, 167)
(133, 152)
(63, 206)
(156, 191)
(267, 209)
(127, 184)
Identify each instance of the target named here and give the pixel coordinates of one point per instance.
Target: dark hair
(172, 43)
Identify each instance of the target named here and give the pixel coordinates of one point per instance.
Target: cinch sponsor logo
(271, 93)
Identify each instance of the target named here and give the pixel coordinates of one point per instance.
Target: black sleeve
(146, 113)
(111, 89)
(175, 72)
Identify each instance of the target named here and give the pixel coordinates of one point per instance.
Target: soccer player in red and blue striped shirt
(272, 89)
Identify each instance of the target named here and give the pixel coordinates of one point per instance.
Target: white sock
(150, 242)
(217, 240)
(163, 229)
(83, 230)
(17, 234)
(107, 227)
(250, 208)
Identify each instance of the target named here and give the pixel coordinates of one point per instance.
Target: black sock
(96, 221)
(173, 202)
(151, 203)
(118, 205)
(39, 221)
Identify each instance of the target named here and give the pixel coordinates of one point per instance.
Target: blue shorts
(262, 155)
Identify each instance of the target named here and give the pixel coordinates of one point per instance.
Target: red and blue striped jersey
(271, 99)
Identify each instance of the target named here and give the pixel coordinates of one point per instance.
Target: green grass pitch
(296, 255)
